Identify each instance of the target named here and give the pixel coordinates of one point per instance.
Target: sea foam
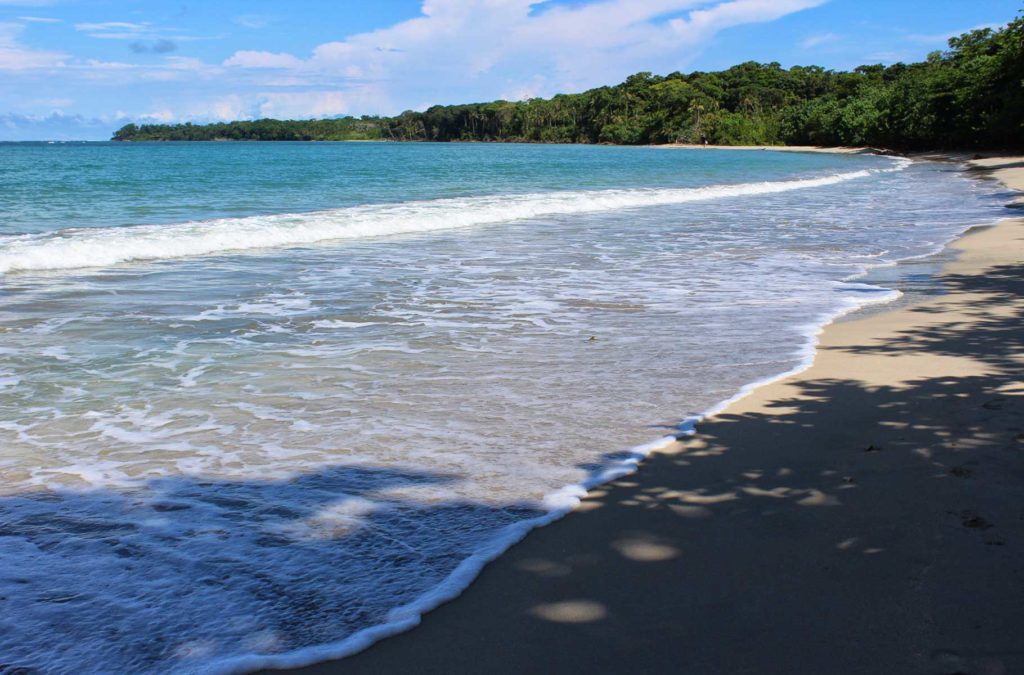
(101, 247)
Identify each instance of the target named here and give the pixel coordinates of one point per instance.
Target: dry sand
(776, 148)
(863, 516)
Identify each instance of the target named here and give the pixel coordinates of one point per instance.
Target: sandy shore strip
(833, 150)
(863, 516)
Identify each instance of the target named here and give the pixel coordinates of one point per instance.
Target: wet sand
(863, 516)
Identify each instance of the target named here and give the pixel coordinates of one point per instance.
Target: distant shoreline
(960, 98)
(937, 154)
(835, 150)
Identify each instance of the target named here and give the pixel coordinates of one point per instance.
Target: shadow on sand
(861, 529)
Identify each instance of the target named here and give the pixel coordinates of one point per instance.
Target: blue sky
(77, 69)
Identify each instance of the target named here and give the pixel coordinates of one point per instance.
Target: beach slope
(863, 516)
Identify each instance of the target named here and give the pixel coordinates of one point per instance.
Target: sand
(863, 516)
(776, 148)
(1008, 170)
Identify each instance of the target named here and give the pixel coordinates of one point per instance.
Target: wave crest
(103, 247)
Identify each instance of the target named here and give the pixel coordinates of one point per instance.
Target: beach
(861, 516)
(512, 337)
(853, 150)
(287, 416)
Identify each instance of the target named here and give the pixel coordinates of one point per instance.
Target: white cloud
(454, 51)
(118, 30)
(812, 41)
(119, 73)
(225, 109)
(280, 105)
(522, 91)
(158, 116)
(128, 30)
(943, 38)
(17, 57)
(286, 105)
(40, 19)
(252, 59)
(486, 48)
(704, 22)
(112, 25)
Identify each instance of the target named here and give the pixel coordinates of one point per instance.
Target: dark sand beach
(863, 516)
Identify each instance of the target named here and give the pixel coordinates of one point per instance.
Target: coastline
(832, 150)
(699, 506)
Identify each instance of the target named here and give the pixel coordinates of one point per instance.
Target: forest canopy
(969, 96)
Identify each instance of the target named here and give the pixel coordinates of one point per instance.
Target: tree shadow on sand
(860, 529)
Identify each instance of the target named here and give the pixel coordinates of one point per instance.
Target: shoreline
(760, 400)
(824, 149)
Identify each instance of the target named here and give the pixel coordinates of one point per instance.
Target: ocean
(264, 403)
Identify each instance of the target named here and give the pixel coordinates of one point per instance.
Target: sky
(78, 69)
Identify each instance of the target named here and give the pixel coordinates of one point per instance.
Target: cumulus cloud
(304, 104)
(488, 48)
(225, 109)
(453, 51)
(158, 116)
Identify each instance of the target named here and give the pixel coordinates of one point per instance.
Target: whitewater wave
(102, 247)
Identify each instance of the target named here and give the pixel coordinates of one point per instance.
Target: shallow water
(301, 383)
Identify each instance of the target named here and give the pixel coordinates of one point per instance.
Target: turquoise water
(260, 402)
(53, 186)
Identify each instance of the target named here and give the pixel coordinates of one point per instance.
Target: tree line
(968, 96)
